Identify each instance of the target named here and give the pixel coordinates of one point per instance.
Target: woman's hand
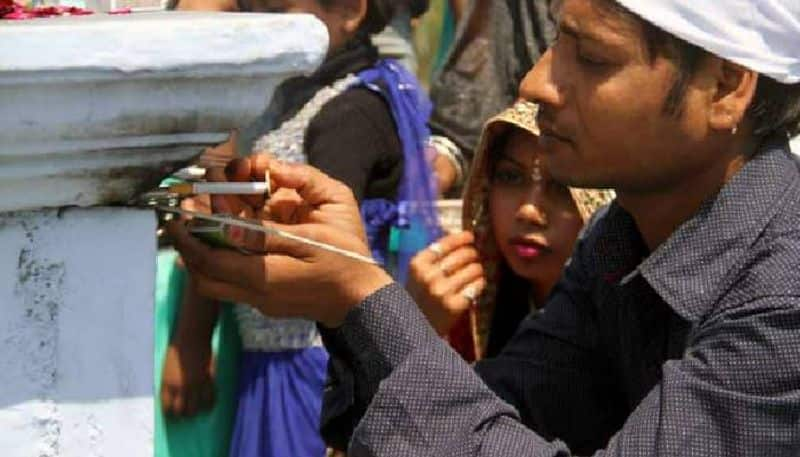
(187, 380)
(446, 279)
(294, 279)
(445, 173)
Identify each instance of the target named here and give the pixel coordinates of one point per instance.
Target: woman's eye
(509, 177)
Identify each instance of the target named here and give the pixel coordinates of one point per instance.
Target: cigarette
(220, 188)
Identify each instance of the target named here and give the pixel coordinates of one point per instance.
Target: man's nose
(539, 86)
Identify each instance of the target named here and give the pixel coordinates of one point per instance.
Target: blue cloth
(414, 213)
(280, 395)
(378, 215)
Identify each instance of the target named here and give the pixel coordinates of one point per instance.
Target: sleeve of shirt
(418, 396)
(405, 392)
(735, 392)
(353, 139)
(398, 389)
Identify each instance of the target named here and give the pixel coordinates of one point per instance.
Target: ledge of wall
(98, 108)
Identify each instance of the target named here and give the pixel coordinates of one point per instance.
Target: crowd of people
(626, 281)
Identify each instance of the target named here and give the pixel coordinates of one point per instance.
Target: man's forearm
(418, 397)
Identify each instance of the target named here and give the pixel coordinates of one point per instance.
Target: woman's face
(335, 16)
(534, 219)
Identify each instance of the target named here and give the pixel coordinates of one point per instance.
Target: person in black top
(353, 136)
(340, 121)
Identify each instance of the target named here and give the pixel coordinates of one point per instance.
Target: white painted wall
(95, 110)
(76, 333)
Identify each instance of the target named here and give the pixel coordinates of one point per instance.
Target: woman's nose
(531, 211)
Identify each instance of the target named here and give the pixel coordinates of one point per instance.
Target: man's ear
(735, 90)
(354, 12)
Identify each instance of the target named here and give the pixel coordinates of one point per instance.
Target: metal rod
(256, 226)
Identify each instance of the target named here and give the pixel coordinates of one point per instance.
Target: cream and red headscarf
(476, 218)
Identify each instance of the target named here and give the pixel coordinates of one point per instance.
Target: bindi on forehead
(521, 148)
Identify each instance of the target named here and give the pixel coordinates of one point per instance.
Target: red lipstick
(527, 249)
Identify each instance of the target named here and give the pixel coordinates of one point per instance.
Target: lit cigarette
(220, 188)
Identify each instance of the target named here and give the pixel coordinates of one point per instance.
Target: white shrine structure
(93, 111)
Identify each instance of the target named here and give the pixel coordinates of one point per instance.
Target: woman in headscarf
(520, 227)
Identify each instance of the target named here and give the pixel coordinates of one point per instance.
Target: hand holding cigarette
(296, 278)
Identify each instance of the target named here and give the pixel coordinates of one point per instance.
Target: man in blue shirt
(674, 329)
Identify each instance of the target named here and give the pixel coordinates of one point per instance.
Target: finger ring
(436, 248)
(470, 294)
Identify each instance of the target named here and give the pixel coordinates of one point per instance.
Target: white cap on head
(762, 35)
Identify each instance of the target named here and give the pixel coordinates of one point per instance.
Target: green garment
(208, 434)
(447, 37)
(433, 37)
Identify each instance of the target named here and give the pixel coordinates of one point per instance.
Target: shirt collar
(687, 271)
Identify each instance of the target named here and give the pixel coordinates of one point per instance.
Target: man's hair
(775, 108)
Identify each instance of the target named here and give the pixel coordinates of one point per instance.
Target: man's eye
(269, 6)
(588, 60)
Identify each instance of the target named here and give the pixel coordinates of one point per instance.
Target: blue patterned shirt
(691, 350)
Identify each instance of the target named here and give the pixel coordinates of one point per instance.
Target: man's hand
(293, 279)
